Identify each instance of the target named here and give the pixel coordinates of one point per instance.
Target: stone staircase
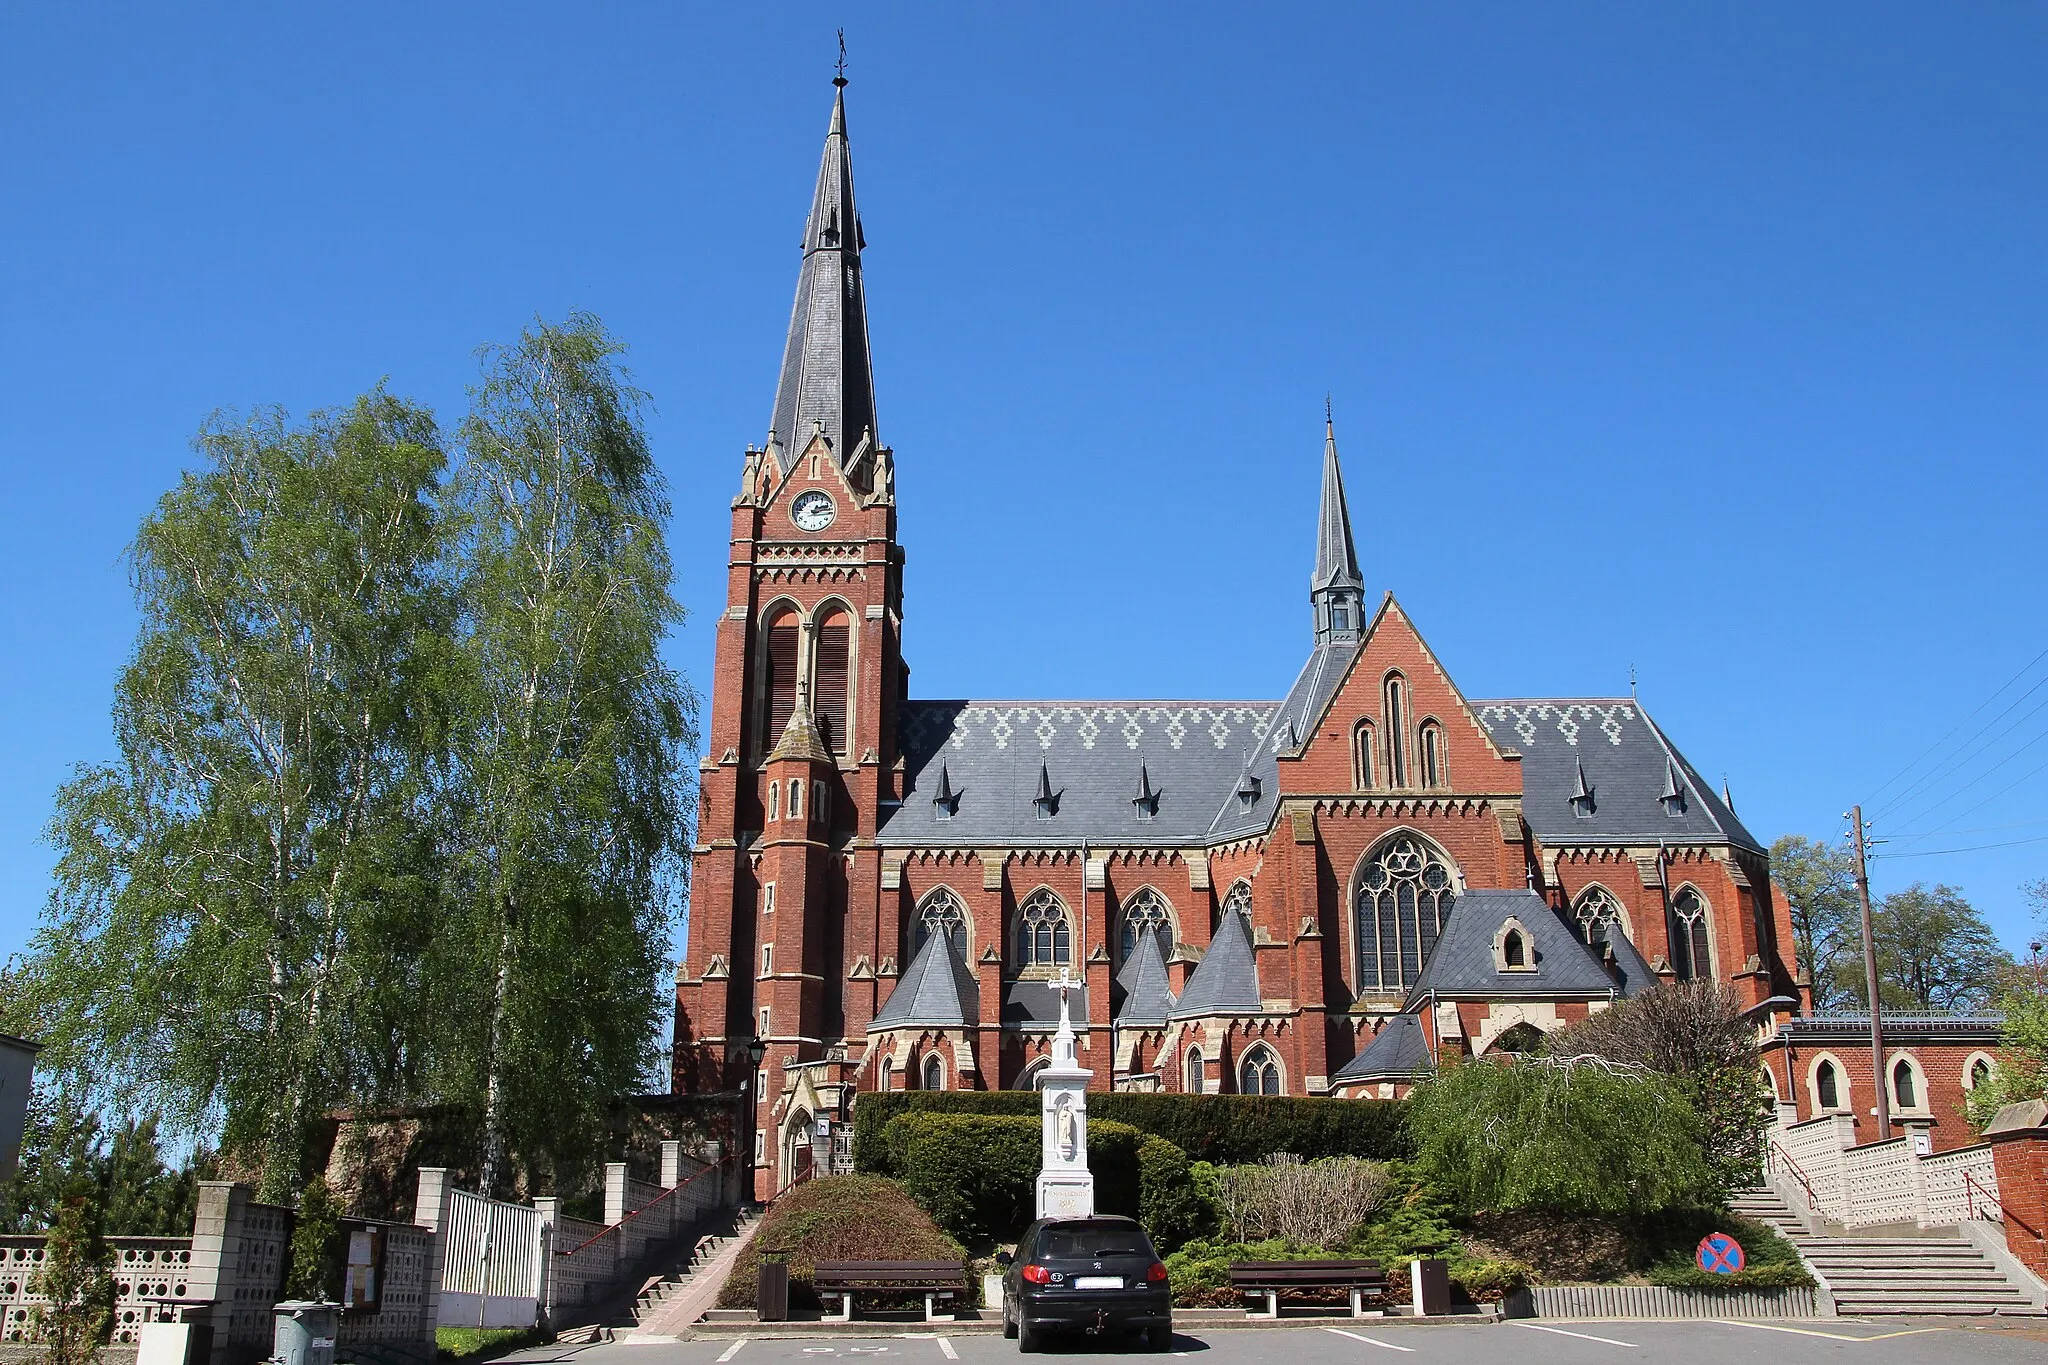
(1936, 1273)
(696, 1258)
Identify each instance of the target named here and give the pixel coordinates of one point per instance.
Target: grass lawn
(473, 1344)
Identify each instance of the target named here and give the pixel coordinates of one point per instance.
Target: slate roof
(1628, 763)
(1461, 965)
(1398, 1052)
(1092, 753)
(1291, 724)
(1227, 980)
(826, 376)
(1147, 991)
(1038, 1002)
(936, 989)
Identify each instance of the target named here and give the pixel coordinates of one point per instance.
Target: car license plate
(1098, 1282)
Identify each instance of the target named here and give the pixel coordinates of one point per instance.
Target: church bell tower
(800, 755)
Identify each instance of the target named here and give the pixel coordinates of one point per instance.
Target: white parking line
(732, 1351)
(1582, 1336)
(946, 1349)
(1371, 1341)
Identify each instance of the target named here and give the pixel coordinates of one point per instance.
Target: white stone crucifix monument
(1066, 1188)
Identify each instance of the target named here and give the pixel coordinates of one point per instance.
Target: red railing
(1774, 1154)
(610, 1228)
(1971, 1189)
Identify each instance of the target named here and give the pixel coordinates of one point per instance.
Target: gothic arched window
(1691, 957)
(1397, 724)
(1044, 939)
(831, 651)
(1827, 1086)
(1597, 916)
(1192, 1072)
(1145, 912)
(1239, 898)
(1905, 1084)
(942, 913)
(1405, 893)
(1432, 742)
(934, 1072)
(1259, 1073)
(1361, 755)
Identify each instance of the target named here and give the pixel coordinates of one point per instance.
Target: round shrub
(836, 1218)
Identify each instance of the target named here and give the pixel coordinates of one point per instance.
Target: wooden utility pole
(1881, 1087)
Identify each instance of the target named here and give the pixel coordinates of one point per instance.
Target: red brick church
(1319, 895)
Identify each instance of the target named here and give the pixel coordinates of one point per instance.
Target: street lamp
(754, 1049)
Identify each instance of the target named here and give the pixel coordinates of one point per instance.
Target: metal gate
(496, 1256)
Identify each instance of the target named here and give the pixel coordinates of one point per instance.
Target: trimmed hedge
(977, 1174)
(836, 1218)
(1221, 1129)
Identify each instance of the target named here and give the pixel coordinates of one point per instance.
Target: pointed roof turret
(936, 989)
(1227, 981)
(800, 737)
(1147, 990)
(1336, 589)
(826, 382)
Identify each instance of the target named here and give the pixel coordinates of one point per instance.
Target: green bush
(1221, 1129)
(1769, 1261)
(836, 1218)
(1580, 1136)
(977, 1174)
(1171, 1203)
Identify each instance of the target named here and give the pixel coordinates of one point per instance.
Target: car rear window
(1093, 1239)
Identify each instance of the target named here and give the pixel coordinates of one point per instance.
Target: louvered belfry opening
(835, 638)
(780, 683)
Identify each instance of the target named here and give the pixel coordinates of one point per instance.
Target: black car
(1093, 1275)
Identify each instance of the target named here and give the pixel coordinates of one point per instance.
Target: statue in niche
(1063, 1129)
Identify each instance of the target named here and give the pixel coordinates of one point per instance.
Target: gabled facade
(1319, 895)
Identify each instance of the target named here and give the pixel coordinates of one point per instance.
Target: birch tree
(232, 889)
(568, 754)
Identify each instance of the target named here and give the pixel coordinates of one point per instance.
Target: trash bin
(305, 1332)
(771, 1291)
(1431, 1283)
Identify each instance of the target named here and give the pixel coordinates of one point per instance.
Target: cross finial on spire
(840, 79)
(1329, 419)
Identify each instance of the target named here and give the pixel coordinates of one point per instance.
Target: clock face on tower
(812, 511)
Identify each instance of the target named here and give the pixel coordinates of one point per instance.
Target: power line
(1980, 829)
(1931, 780)
(1994, 796)
(1933, 807)
(1959, 725)
(1973, 848)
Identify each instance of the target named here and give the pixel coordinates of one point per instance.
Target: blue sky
(1707, 340)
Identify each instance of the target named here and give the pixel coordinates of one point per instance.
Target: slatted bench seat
(1274, 1278)
(936, 1280)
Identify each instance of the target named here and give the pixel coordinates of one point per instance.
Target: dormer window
(946, 801)
(1146, 802)
(1582, 802)
(1046, 803)
(1248, 791)
(1674, 792)
(1513, 949)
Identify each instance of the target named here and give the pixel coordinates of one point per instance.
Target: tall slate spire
(826, 378)
(1336, 589)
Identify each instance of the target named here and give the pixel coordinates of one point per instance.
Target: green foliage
(317, 1246)
(1769, 1260)
(836, 1218)
(474, 1345)
(1935, 953)
(1220, 1129)
(2022, 1070)
(77, 1278)
(566, 746)
(1579, 1135)
(66, 1150)
(977, 1174)
(1171, 1203)
(1199, 1271)
(1696, 1034)
(1414, 1223)
(1819, 880)
(230, 889)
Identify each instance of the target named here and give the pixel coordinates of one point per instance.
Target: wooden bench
(844, 1277)
(1274, 1278)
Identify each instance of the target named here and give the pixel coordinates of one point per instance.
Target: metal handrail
(614, 1227)
(1971, 1189)
(1805, 1183)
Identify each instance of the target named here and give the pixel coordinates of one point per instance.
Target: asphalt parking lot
(1512, 1343)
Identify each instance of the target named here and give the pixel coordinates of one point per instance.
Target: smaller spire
(1673, 795)
(1726, 799)
(1147, 799)
(946, 800)
(1582, 792)
(1336, 589)
(1045, 800)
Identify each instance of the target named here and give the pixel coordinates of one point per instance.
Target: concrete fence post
(615, 1191)
(430, 1208)
(548, 1208)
